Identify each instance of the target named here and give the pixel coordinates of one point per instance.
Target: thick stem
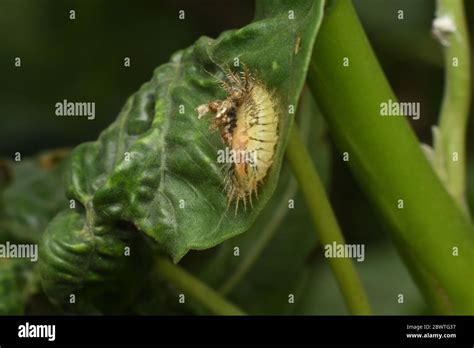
(325, 222)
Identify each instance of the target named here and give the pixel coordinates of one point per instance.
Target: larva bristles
(248, 122)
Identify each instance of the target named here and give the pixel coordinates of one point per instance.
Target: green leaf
(88, 260)
(152, 157)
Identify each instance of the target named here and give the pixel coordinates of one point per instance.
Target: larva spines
(248, 111)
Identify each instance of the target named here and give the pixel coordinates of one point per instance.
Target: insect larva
(248, 123)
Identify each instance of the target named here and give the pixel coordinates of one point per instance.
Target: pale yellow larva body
(256, 131)
(248, 121)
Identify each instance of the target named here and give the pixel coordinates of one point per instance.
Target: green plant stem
(325, 222)
(455, 105)
(387, 161)
(194, 288)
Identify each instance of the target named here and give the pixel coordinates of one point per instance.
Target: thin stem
(194, 288)
(450, 26)
(325, 222)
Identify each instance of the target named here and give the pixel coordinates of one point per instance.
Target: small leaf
(87, 259)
